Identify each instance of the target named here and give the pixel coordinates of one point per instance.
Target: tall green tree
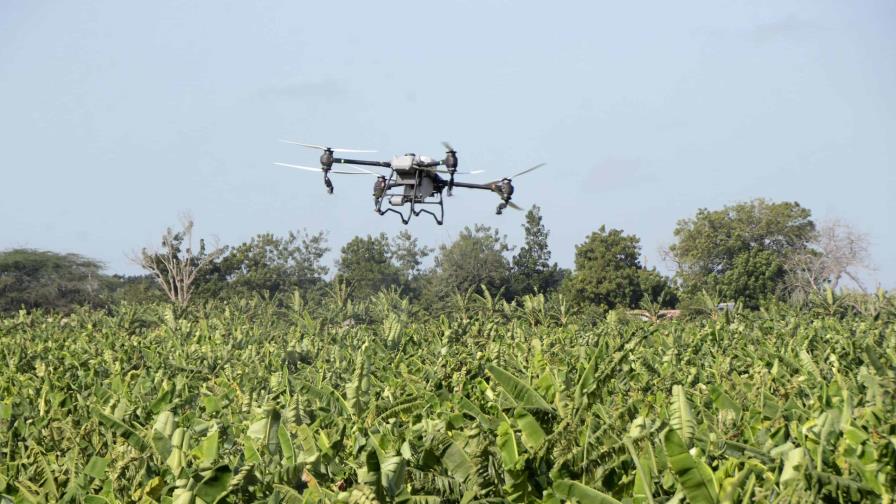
(365, 264)
(657, 288)
(42, 279)
(609, 273)
(408, 255)
(739, 251)
(270, 264)
(755, 276)
(531, 269)
(606, 272)
(477, 257)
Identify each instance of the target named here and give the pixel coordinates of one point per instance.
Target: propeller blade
(355, 173)
(309, 168)
(514, 205)
(365, 170)
(493, 182)
(338, 149)
(299, 167)
(474, 172)
(323, 147)
(448, 147)
(527, 171)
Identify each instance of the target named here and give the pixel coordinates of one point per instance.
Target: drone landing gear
(437, 215)
(401, 197)
(438, 218)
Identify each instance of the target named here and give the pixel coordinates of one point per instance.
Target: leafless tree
(667, 257)
(838, 251)
(175, 265)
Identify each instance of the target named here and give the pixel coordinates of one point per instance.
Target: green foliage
(693, 475)
(606, 271)
(577, 492)
(248, 401)
(609, 273)
(656, 288)
(739, 251)
(366, 266)
(136, 289)
(476, 258)
(408, 256)
(41, 279)
(268, 264)
(532, 271)
(755, 276)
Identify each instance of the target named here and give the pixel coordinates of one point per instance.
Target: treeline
(746, 253)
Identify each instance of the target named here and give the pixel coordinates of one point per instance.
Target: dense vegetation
(39, 279)
(490, 401)
(250, 373)
(748, 253)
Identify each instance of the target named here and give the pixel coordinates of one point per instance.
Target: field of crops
(488, 403)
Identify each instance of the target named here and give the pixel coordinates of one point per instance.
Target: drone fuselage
(403, 163)
(416, 184)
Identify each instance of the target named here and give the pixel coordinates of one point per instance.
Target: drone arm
(503, 188)
(467, 185)
(362, 162)
(431, 164)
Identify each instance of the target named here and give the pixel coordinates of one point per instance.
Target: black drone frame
(413, 182)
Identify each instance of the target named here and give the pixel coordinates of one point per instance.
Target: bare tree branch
(175, 266)
(838, 250)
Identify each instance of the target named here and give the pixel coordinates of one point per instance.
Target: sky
(118, 117)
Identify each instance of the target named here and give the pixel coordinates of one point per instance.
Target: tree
(532, 270)
(713, 244)
(135, 289)
(755, 276)
(474, 259)
(175, 265)
(608, 272)
(837, 250)
(656, 288)
(33, 279)
(408, 255)
(270, 264)
(366, 266)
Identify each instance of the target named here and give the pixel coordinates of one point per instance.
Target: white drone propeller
(311, 168)
(441, 170)
(527, 170)
(518, 174)
(323, 147)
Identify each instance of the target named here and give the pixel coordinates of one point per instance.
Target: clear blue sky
(115, 117)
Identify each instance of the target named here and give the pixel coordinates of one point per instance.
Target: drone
(413, 181)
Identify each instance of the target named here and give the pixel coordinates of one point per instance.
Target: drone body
(412, 181)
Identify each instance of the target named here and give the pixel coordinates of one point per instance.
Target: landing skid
(416, 201)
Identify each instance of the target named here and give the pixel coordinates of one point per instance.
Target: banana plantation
(285, 401)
